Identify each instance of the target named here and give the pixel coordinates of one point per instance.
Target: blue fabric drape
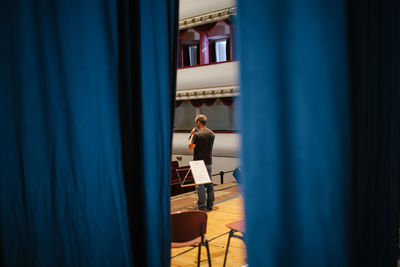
(61, 184)
(148, 49)
(158, 100)
(86, 101)
(374, 61)
(295, 131)
(62, 195)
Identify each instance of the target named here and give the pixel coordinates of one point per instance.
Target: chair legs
(198, 256)
(205, 243)
(208, 253)
(227, 246)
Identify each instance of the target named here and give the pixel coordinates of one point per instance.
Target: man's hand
(192, 146)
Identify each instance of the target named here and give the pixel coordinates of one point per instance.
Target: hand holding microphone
(192, 132)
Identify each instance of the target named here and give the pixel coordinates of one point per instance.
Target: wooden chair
(188, 228)
(174, 164)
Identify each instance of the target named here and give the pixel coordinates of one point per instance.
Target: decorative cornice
(207, 18)
(201, 93)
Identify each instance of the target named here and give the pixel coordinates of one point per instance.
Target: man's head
(200, 119)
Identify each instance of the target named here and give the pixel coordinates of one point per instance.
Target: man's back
(204, 140)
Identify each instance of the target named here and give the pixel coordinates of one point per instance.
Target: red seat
(237, 226)
(174, 164)
(188, 228)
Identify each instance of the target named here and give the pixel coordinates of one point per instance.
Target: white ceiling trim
(211, 92)
(210, 17)
(192, 8)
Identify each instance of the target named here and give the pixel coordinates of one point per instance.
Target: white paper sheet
(199, 171)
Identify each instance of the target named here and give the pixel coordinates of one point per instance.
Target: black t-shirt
(204, 141)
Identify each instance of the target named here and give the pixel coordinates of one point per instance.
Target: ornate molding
(199, 93)
(207, 18)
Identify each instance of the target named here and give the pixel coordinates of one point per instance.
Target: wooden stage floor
(228, 208)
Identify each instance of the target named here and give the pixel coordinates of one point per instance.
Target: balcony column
(180, 64)
(205, 54)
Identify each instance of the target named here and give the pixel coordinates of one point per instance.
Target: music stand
(182, 183)
(199, 172)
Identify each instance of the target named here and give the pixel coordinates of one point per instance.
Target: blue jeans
(201, 193)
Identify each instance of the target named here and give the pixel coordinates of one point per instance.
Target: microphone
(195, 130)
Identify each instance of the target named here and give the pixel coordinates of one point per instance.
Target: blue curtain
(147, 104)
(86, 89)
(374, 61)
(295, 131)
(61, 183)
(320, 119)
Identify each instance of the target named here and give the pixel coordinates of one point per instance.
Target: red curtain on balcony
(210, 101)
(227, 101)
(197, 102)
(178, 103)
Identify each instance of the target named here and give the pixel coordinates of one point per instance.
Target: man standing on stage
(202, 141)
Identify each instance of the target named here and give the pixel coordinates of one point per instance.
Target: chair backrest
(174, 176)
(174, 164)
(188, 225)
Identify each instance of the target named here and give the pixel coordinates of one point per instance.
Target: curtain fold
(295, 131)
(62, 200)
(86, 110)
(321, 170)
(148, 98)
(374, 60)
